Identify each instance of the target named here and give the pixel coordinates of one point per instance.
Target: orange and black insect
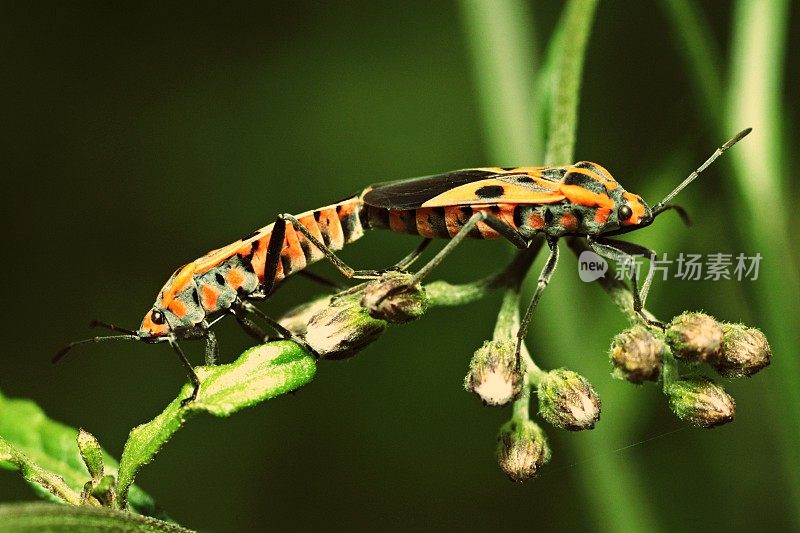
(517, 204)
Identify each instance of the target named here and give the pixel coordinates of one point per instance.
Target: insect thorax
(563, 218)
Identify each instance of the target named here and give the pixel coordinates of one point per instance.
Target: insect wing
(467, 187)
(412, 193)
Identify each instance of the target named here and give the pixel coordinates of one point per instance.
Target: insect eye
(157, 317)
(625, 212)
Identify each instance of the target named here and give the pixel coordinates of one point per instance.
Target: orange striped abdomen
(334, 226)
(556, 219)
(214, 282)
(438, 222)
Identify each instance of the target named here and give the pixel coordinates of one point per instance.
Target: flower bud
(342, 328)
(393, 299)
(521, 449)
(694, 337)
(494, 373)
(636, 354)
(744, 351)
(296, 319)
(567, 400)
(701, 402)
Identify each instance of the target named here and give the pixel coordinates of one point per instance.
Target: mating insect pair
(517, 204)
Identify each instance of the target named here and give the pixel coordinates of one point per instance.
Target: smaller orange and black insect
(517, 204)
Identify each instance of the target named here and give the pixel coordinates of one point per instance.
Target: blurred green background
(137, 137)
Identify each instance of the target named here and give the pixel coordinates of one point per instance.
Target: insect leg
(322, 280)
(212, 348)
(500, 226)
(239, 309)
(636, 249)
(273, 254)
(408, 260)
(249, 327)
(608, 249)
(401, 265)
(544, 279)
(189, 370)
(250, 308)
(276, 244)
(332, 257)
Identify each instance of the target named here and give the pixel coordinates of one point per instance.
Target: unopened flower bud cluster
(339, 326)
(640, 353)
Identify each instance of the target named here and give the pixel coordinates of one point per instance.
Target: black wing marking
(412, 193)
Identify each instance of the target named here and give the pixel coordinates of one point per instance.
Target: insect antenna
(112, 327)
(681, 212)
(663, 205)
(63, 351)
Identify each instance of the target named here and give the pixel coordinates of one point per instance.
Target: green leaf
(47, 484)
(46, 453)
(259, 374)
(38, 517)
(91, 453)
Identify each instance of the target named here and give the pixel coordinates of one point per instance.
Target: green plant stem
(617, 488)
(506, 328)
(521, 410)
(442, 293)
(260, 373)
(614, 490)
(566, 80)
(502, 48)
(40, 477)
(508, 317)
(669, 370)
(622, 296)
